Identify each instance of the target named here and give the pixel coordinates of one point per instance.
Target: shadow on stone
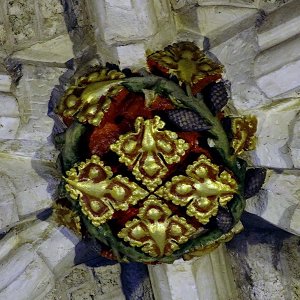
(135, 281)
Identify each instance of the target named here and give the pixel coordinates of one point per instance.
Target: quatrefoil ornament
(149, 170)
(98, 193)
(149, 151)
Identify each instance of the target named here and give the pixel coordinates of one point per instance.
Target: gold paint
(156, 231)
(66, 217)
(187, 62)
(148, 150)
(202, 191)
(211, 246)
(86, 104)
(99, 194)
(243, 129)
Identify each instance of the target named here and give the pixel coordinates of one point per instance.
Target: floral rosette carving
(149, 169)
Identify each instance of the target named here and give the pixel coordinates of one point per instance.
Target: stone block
(8, 211)
(237, 55)
(132, 55)
(8, 208)
(54, 52)
(30, 193)
(5, 83)
(39, 151)
(33, 93)
(15, 264)
(279, 200)
(125, 21)
(7, 244)
(33, 200)
(220, 23)
(33, 283)
(274, 134)
(9, 105)
(76, 277)
(34, 233)
(52, 18)
(206, 277)
(9, 127)
(108, 282)
(265, 261)
(276, 69)
(58, 251)
(3, 34)
(294, 144)
(280, 25)
(21, 16)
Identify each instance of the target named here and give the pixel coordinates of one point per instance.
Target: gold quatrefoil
(90, 97)
(99, 194)
(202, 190)
(187, 62)
(156, 231)
(149, 150)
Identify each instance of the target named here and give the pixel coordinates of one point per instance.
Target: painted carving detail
(202, 191)
(99, 194)
(243, 129)
(149, 150)
(157, 231)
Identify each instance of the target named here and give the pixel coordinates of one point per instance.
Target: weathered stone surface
(265, 262)
(131, 24)
(52, 18)
(14, 265)
(35, 232)
(132, 55)
(34, 283)
(55, 52)
(275, 125)
(279, 200)
(9, 105)
(82, 282)
(9, 127)
(58, 251)
(31, 190)
(220, 23)
(206, 277)
(20, 15)
(9, 115)
(5, 82)
(23, 23)
(125, 21)
(280, 25)
(8, 207)
(33, 94)
(294, 143)
(36, 150)
(275, 68)
(108, 282)
(237, 55)
(7, 244)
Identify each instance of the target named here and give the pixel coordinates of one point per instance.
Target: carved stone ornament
(149, 166)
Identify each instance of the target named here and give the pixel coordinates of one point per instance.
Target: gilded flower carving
(185, 61)
(149, 150)
(202, 191)
(243, 130)
(156, 230)
(90, 97)
(67, 217)
(99, 194)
